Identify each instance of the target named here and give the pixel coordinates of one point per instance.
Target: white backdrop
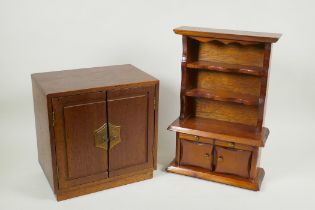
(41, 35)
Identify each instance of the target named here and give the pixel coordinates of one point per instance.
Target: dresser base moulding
(216, 177)
(101, 185)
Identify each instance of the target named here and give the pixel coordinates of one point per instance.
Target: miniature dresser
(96, 128)
(220, 130)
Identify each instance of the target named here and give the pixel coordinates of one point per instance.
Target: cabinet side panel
(156, 131)
(42, 132)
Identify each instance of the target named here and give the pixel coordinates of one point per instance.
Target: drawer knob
(196, 138)
(231, 144)
(220, 158)
(207, 155)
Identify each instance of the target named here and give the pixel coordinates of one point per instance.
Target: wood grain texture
(66, 121)
(264, 86)
(232, 145)
(197, 139)
(223, 41)
(220, 130)
(196, 154)
(69, 82)
(226, 111)
(235, 83)
(156, 124)
(255, 162)
(223, 97)
(226, 67)
(228, 34)
(80, 122)
(216, 155)
(134, 152)
(78, 160)
(44, 146)
(186, 105)
(251, 184)
(104, 184)
(251, 55)
(232, 161)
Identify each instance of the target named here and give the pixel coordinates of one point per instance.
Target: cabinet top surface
(228, 34)
(90, 78)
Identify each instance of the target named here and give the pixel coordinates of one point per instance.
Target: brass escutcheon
(101, 136)
(114, 135)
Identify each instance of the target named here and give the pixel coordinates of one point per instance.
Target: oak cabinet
(96, 128)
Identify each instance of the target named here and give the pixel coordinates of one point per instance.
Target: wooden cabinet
(96, 128)
(222, 101)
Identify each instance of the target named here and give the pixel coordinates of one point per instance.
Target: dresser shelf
(225, 67)
(221, 95)
(223, 130)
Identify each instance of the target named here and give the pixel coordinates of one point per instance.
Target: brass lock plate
(101, 136)
(114, 135)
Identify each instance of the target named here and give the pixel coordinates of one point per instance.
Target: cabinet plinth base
(105, 184)
(217, 177)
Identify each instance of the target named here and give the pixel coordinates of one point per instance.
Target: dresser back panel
(232, 53)
(226, 111)
(236, 83)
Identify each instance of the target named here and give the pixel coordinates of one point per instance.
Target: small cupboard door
(131, 129)
(233, 161)
(76, 119)
(196, 154)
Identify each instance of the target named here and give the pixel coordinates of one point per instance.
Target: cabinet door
(131, 115)
(76, 119)
(196, 154)
(232, 161)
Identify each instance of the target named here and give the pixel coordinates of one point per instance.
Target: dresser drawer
(232, 161)
(196, 154)
(233, 145)
(195, 138)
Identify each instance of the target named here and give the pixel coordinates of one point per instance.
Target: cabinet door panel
(77, 117)
(132, 110)
(232, 161)
(196, 154)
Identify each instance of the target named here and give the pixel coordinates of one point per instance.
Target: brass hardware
(231, 144)
(196, 138)
(207, 155)
(101, 136)
(220, 158)
(114, 135)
